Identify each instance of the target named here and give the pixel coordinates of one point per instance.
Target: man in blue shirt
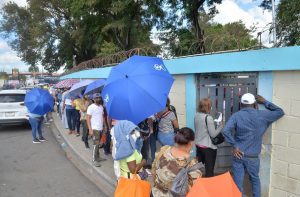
(249, 124)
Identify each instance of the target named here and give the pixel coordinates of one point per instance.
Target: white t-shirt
(96, 112)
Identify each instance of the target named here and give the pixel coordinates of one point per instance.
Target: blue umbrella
(94, 86)
(38, 101)
(137, 88)
(77, 88)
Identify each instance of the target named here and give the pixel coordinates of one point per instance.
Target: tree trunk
(198, 31)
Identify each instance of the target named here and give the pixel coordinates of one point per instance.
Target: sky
(229, 11)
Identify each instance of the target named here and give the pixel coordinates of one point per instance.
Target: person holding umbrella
(95, 120)
(38, 102)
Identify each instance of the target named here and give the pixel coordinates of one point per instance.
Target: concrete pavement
(38, 170)
(76, 152)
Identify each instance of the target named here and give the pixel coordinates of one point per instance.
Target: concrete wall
(177, 97)
(285, 158)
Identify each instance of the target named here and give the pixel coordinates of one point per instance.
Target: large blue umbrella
(38, 101)
(137, 88)
(77, 88)
(93, 87)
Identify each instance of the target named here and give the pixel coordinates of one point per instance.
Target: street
(37, 170)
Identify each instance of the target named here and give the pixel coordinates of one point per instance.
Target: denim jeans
(106, 147)
(36, 126)
(166, 138)
(77, 120)
(71, 115)
(252, 166)
(152, 142)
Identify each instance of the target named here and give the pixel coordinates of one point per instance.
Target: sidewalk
(76, 152)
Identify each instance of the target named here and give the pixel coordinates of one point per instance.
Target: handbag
(219, 139)
(179, 186)
(133, 187)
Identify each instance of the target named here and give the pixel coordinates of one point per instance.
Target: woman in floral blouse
(170, 160)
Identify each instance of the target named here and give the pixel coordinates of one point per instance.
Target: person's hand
(91, 133)
(237, 153)
(260, 99)
(144, 162)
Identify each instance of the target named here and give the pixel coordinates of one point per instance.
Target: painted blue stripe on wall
(190, 99)
(285, 58)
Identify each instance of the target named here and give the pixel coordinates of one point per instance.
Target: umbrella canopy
(77, 88)
(137, 88)
(38, 101)
(67, 83)
(221, 186)
(93, 87)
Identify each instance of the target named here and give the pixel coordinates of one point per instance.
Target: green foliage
(217, 38)
(52, 32)
(3, 75)
(186, 14)
(33, 69)
(288, 19)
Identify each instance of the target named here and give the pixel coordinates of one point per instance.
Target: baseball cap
(248, 99)
(96, 95)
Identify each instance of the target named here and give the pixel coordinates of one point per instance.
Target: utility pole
(274, 22)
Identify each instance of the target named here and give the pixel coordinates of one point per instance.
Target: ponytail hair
(184, 136)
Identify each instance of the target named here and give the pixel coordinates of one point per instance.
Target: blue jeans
(152, 143)
(251, 165)
(166, 138)
(36, 126)
(71, 118)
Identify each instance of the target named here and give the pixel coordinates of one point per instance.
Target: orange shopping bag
(132, 187)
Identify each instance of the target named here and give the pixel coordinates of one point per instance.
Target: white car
(12, 108)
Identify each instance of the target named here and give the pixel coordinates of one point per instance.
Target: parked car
(12, 108)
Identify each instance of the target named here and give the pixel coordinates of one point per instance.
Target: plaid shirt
(250, 124)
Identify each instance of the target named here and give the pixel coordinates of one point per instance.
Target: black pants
(208, 157)
(77, 120)
(107, 143)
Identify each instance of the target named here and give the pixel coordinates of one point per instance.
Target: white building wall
(285, 158)
(177, 97)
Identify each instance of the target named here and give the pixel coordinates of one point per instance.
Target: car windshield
(12, 98)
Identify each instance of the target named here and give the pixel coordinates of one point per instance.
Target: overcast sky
(229, 11)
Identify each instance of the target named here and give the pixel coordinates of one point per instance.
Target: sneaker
(36, 141)
(46, 123)
(148, 172)
(77, 134)
(42, 139)
(51, 120)
(96, 164)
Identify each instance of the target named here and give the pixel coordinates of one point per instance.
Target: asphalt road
(38, 170)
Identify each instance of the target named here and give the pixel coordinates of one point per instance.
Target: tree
(288, 22)
(217, 37)
(53, 32)
(188, 11)
(33, 69)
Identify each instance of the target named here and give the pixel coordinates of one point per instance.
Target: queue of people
(141, 152)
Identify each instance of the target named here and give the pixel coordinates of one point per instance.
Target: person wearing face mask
(95, 122)
(204, 131)
(170, 160)
(134, 163)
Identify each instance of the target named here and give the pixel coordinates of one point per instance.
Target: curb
(98, 177)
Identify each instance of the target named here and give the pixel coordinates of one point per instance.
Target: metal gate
(225, 90)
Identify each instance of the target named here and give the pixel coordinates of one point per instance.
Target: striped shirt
(250, 124)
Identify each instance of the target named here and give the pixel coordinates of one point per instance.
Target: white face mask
(135, 135)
